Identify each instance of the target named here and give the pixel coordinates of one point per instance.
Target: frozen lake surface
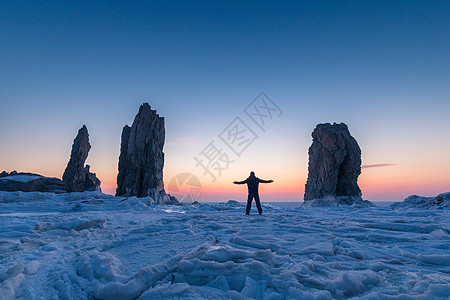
(90, 245)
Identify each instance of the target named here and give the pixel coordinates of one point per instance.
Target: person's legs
(249, 203)
(258, 204)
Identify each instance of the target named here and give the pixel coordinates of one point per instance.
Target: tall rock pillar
(141, 159)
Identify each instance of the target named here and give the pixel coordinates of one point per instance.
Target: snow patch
(21, 178)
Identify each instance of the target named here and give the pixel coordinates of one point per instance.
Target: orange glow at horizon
(379, 183)
(394, 182)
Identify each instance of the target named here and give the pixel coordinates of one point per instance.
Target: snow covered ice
(21, 178)
(90, 245)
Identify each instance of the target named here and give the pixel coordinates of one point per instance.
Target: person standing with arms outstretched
(252, 183)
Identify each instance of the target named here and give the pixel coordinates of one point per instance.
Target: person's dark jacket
(252, 183)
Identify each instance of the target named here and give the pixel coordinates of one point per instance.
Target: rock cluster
(30, 182)
(441, 201)
(141, 159)
(77, 177)
(334, 164)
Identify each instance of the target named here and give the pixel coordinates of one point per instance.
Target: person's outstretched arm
(266, 181)
(240, 182)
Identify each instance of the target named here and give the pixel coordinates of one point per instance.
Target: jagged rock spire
(77, 177)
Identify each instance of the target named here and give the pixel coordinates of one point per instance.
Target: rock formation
(334, 164)
(441, 201)
(30, 182)
(77, 177)
(141, 159)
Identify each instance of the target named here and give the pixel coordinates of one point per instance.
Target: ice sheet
(86, 245)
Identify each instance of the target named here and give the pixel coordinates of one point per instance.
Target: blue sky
(382, 67)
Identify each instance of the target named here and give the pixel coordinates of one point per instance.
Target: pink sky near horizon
(399, 163)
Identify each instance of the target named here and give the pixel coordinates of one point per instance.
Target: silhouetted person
(252, 183)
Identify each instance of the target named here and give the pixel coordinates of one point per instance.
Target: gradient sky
(382, 67)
